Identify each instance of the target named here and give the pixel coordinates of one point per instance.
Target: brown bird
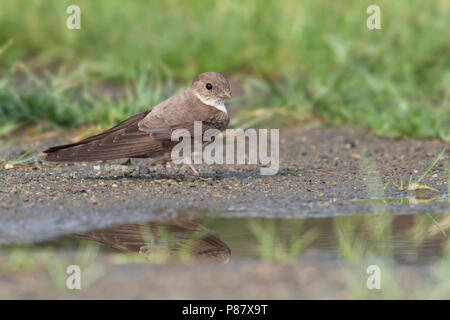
(163, 239)
(148, 134)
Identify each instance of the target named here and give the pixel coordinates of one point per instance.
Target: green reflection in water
(345, 245)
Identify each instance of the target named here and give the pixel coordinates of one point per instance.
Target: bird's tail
(77, 152)
(101, 149)
(122, 141)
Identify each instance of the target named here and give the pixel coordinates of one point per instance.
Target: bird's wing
(121, 141)
(180, 112)
(126, 237)
(144, 133)
(171, 237)
(130, 121)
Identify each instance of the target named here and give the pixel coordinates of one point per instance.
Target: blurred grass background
(289, 61)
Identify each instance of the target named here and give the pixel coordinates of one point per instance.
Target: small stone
(9, 166)
(77, 189)
(114, 185)
(94, 200)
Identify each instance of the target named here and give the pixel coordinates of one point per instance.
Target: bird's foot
(126, 163)
(167, 173)
(197, 174)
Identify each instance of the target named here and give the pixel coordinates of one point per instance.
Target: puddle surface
(411, 200)
(310, 258)
(400, 238)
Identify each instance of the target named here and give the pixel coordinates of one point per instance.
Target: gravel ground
(236, 280)
(322, 172)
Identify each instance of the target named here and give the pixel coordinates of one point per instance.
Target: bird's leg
(166, 171)
(196, 173)
(126, 163)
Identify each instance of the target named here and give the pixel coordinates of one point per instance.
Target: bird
(168, 239)
(148, 133)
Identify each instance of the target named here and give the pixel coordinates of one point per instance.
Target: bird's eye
(209, 86)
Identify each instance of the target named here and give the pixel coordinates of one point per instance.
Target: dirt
(236, 280)
(323, 172)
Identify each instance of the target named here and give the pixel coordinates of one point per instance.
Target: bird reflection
(171, 240)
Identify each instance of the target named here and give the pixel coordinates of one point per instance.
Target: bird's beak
(227, 95)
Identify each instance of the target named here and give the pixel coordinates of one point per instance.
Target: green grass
(60, 100)
(431, 166)
(294, 61)
(273, 245)
(414, 185)
(21, 159)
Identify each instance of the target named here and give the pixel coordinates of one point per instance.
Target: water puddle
(410, 200)
(344, 246)
(405, 238)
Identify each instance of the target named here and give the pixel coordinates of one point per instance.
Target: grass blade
(21, 159)
(431, 165)
(437, 224)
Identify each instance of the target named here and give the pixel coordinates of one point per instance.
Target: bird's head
(212, 88)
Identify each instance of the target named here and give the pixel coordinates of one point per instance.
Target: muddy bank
(236, 280)
(323, 172)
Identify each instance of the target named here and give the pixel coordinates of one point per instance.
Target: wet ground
(308, 232)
